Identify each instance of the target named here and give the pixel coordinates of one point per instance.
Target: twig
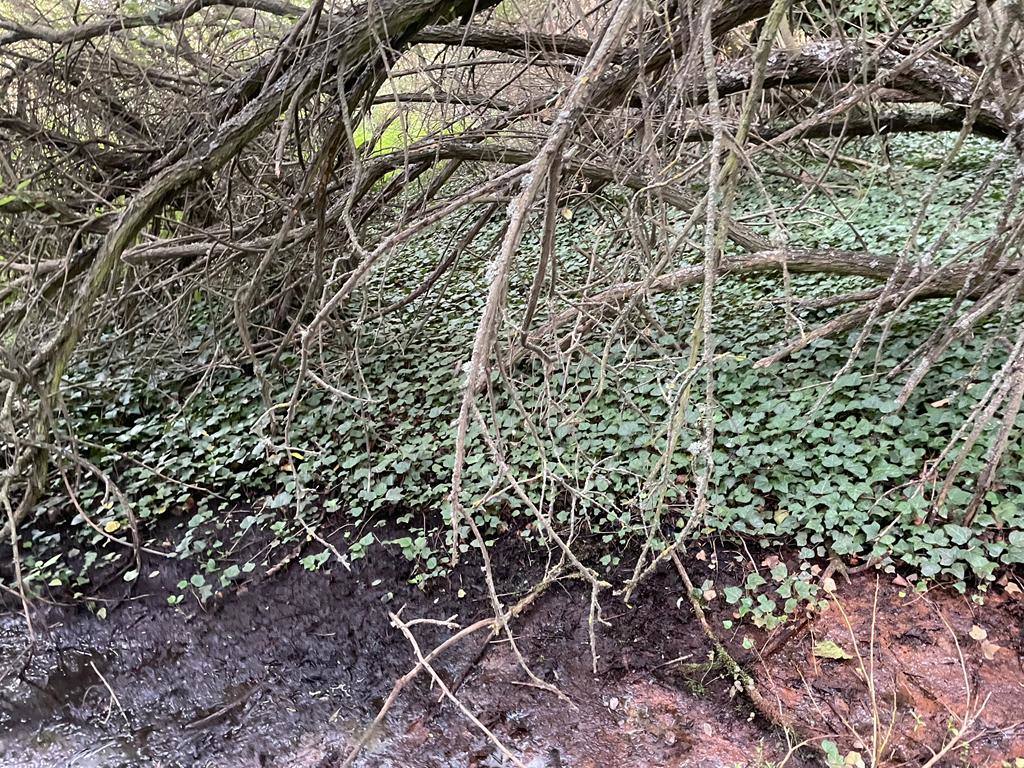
(113, 696)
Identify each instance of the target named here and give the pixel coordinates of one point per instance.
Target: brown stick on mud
(404, 680)
(491, 736)
(495, 625)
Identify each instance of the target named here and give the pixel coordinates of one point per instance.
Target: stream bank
(288, 672)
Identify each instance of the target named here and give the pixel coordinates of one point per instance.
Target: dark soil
(290, 671)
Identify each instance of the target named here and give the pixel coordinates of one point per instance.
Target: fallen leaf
(112, 526)
(826, 649)
(977, 633)
(989, 650)
(1012, 589)
(828, 584)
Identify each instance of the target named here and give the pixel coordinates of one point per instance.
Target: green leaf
(282, 499)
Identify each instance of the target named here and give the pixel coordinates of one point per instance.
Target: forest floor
(289, 671)
(228, 654)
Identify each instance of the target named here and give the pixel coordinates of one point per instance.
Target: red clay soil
(935, 659)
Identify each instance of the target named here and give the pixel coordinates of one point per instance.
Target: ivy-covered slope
(814, 469)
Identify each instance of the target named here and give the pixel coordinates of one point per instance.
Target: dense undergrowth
(810, 467)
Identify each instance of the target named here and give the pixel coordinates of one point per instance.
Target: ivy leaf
(282, 499)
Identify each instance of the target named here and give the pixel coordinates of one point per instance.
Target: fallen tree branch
(111, 24)
(928, 77)
(447, 149)
(935, 282)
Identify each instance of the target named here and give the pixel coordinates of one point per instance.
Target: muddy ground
(934, 659)
(290, 671)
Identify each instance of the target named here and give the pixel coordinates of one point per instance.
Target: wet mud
(291, 671)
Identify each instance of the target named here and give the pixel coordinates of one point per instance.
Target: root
(423, 662)
(746, 682)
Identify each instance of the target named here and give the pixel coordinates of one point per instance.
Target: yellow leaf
(112, 526)
(826, 649)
